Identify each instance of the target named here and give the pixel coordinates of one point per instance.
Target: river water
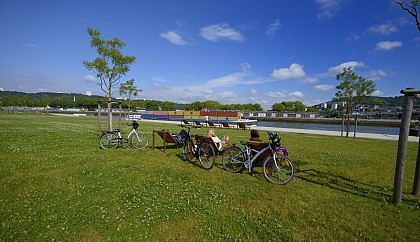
(331, 127)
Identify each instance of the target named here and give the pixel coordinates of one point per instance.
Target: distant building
(89, 93)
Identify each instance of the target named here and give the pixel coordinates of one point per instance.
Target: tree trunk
(109, 114)
(109, 106)
(349, 111)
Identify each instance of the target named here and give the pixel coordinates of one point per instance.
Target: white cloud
(277, 94)
(377, 93)
(89, 78)
(173, 37)
(230, 80)
(383, 29)
(337, 69)
(220, 31)
(388, 45)
(323, 87)
(206, 92)
(377, 75)
(294, 71)
(285, 95)
(273, 28)
(246, 66)
(309, 80)
(328, 8)
(295, 94)
(160, 87)
(226, 96)
(254, 92)
(242, 78)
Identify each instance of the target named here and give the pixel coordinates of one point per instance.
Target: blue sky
(231, 51)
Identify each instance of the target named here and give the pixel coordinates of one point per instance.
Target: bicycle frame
(248, 162)
(132, 131)
(115, 138)
(201, 150)
(277, 168)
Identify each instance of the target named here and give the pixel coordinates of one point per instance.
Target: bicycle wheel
(108, 141)
(233, 159)
(278, 171)
(139, 141)
(186, 151)
(206, 155)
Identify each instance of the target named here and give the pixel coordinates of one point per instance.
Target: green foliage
(111, 64)
(214, 105)
(296, 106)
(353, 88)
(58, 185)
(128, 90)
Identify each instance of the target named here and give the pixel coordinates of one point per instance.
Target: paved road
(311, 131)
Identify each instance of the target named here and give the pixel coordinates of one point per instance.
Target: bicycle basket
(282, 149)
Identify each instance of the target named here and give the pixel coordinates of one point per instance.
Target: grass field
(57, 185)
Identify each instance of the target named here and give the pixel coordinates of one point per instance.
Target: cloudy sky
(231, 51)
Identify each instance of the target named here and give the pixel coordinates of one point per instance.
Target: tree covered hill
(77, 100)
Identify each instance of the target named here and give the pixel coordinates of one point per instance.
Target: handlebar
(274, 138)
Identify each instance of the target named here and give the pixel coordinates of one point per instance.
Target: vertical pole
(348, 125)
(402, 148)
(119, 121)
(99, 119)
(342, 126)
(355, 126)
(416, 185)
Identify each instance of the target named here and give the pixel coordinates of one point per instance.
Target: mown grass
(56, 184)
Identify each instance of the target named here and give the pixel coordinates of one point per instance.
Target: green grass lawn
(56, 184)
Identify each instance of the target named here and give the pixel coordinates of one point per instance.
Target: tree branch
(411, 9)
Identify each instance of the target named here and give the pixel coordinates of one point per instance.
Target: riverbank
(365, 122)
(312, 131)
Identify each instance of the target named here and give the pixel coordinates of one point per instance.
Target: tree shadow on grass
(344, 184)
(348, 185)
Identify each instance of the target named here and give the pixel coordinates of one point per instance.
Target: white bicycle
(113, 139)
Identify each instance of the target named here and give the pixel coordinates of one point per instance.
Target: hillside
(13, 98)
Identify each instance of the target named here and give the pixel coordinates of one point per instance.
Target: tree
(296, 106)
(110, 66)
(278, 107)
(167, 106)
(352, 89)
(127, 90)
(411, 8)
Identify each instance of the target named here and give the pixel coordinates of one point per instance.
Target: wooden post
(342, 126)
(348, 125)
(355, 126)
(402, 145)
(99, 119)
(416, 185)
(119, 116)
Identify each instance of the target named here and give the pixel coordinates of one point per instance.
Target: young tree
(127, 89)
(352, 89)
(110, 66)
(411, 8)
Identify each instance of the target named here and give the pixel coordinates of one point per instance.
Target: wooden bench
(243, 126)
(167, 137)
